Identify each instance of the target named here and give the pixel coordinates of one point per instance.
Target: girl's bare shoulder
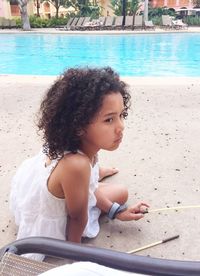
(75, 162)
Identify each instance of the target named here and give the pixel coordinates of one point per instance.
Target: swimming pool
(174, 54)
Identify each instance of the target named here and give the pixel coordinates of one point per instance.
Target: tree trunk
(123, 12)
(38, 8)
(146, 10)
(57, 9)
(24, 15)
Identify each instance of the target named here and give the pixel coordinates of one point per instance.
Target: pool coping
(132, 80)
(105, 32)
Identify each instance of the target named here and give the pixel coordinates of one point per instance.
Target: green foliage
(18, 21)
(38, 22)
(192, 20)
(92, 11)
(158, 12)
(132, 6)
(155, 14)
(116, 6)
(157, 20)
(84, 8)
(53, 22)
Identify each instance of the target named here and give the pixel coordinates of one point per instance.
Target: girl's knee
(123, 194)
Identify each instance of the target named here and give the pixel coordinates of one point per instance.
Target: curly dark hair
(72, 102)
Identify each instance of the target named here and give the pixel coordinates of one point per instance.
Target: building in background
(106, 9)
(175, 4)
(46, 9)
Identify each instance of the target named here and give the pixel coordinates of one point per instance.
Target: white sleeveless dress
(39, 213)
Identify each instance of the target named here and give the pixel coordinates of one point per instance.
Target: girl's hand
(133, 212)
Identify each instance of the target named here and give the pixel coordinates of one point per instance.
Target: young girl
(57, 193)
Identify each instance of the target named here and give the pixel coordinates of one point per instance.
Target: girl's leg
(107, 193)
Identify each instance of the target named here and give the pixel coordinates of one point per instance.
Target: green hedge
(192, 20)
(38, 22)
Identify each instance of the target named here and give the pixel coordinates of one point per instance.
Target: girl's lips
(119, 139)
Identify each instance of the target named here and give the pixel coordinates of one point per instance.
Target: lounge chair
(179, 24)
(13, 23)
(6, 23)
(102, 20)
(167, 22)
(94, 24)
(11, 263)
(118, 23)
(85, 24)
(97, 24)
(108, 23)
(138, 22)
(74, 22)
(67, 26)
(1, 22)
(128, 22)
(148, 25)
(79, 23)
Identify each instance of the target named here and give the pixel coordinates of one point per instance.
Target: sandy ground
(158, 160)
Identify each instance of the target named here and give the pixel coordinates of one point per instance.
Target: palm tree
(146, 9)
(124, 7)
(24, 14)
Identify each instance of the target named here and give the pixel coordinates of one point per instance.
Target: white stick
(153, 244)
(172, 208)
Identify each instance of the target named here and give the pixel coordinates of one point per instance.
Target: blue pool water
(176, 54)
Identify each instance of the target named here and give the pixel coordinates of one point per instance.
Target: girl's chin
(113, 147)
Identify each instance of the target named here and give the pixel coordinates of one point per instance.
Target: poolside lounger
(85, 24)
(179, 24)
(13, 23)
(118, 23)
(102, 20)
(67, 26)
(11, 262)
(167, 22)
(79, 23)
(108, 23)
(94, 24)
(74, 22)
(6, 23)
(128, 22)
(138, 22)
(97, 24)
(1, 22)
(149, 25)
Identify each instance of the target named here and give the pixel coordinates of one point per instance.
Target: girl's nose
(120, 125)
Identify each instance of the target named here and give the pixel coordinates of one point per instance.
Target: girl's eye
(109, 120)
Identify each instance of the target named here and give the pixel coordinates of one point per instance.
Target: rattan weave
(15, 265)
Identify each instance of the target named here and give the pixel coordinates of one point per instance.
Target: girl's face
(106, 130)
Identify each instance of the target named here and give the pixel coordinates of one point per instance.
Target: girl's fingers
(137, 216)
(139, 208)
(143, 204)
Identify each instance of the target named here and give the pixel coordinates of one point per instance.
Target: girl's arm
(75, 184)
(106, 195)
(134, 212)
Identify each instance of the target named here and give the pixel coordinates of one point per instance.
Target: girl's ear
(80, 132)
